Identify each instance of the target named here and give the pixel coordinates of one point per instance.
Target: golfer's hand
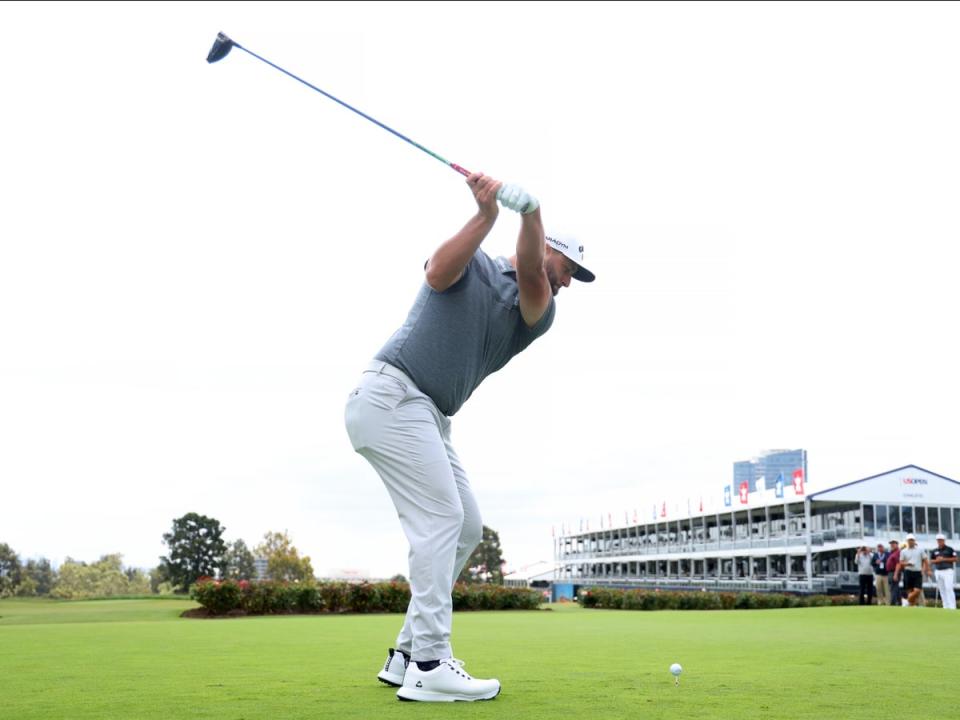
(514, 197)
(484, 190)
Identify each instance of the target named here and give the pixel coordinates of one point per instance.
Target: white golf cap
(911, 537)
(941, 536)
(572, 248)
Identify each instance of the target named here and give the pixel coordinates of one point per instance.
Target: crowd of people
(894, 575)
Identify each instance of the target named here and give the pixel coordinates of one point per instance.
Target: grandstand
(801, 543)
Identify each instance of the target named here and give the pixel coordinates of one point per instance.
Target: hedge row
(263, 598)
(611, 599)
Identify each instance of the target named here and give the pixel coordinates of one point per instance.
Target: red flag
(663, 510)
(744, 493)
(798, 481)
(701, 504)
(634, 516)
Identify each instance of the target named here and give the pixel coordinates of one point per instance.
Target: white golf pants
(944, 580)
(406, 438)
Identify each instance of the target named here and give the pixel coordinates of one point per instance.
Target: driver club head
(221, 47)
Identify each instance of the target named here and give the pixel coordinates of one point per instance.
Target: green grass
(138, 659)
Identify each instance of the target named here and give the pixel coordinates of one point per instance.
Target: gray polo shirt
(452, 340)
(865, 563)
(914, 556)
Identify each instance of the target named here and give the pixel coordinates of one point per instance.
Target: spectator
(881, 578)
(913, 564)
(893, 559)
(943, 559)
(865, 570)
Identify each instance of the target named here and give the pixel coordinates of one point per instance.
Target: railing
(819, 585)
(778, 541)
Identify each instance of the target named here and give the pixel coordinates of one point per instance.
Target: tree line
(196, 549)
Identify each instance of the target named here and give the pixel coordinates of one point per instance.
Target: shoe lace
(455, 665)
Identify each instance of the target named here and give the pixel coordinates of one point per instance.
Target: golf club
(222, 46)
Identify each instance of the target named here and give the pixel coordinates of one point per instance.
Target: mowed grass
(138, 659)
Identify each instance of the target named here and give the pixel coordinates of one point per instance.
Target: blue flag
(727, 496)
(780, 485)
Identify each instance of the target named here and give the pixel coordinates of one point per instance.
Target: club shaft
(458, 168)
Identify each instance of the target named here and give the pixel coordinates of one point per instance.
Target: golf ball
(676, 669)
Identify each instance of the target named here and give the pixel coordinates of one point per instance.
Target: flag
(601, 521)
(760, 491)
(663, 510)
(626, 518)
(727, 499)
(701, 503)
(634, 516)
(581, 524)
(744, 493)
(689, 512)
(779, 491)
(588, 525)
(654, 511)
(609, 520)
(798, 481)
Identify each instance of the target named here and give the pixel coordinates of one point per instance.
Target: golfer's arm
(446, 264)
(532, 282)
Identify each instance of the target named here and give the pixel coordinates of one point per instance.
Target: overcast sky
(197, 261)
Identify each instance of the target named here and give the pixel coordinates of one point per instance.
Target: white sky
(196, 261)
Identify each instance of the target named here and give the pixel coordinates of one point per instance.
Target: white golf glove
(514, 197)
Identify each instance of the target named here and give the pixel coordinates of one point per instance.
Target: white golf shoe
(448, 682)
(394, 668)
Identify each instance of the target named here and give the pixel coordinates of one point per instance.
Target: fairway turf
(138, 659)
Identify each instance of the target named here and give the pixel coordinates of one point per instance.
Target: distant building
(260, 565)
(769, 466)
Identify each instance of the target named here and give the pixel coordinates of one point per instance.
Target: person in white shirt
(913, 565)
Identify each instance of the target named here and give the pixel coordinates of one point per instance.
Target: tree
(39, 577)
(196, 549)
(160, 580)
(238, 562)
(10, 570)
(104, 578)
(283, 560)
(485, 563)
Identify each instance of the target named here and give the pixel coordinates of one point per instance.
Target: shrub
(395, 596)
(268, 597)
(656, 599)
(364, 598)
(335, 596)
(217, 597)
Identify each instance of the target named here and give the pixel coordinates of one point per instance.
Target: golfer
(943, 558)
(471, 316)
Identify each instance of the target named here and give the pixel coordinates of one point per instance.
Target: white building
(796, 544)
